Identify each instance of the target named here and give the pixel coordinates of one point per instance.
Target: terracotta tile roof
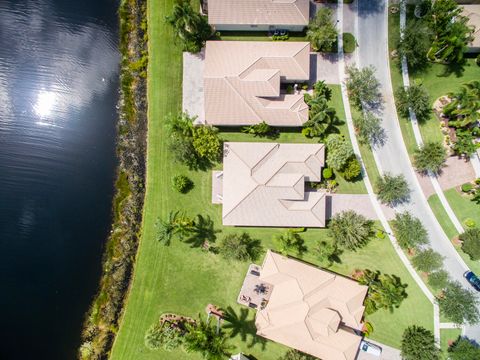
(310, 309)
(258, 12)
(264, 185)
(242, 82)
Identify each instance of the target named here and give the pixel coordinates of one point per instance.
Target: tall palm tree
(177, 223)
(322, 118)
(202, 337)
(389, 292)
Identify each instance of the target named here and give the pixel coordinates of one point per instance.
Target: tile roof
(258, 12)
(309, 309)
(242, 82)
(264, 184)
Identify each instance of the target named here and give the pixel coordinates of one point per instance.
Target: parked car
(370, 348)
(472, 279)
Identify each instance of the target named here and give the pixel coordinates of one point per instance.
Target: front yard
(183, 280)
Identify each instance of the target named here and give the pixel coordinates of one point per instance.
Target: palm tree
(202, 337)
(351, 230)
(390, 292)
(177, 223)
(465, 105)
(202, 230)
(189, 26)
(322, 118)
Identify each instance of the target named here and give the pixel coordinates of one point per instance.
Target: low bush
(467, 187)
(469, 223)
(182, 184)
(327, 173)
(352, 169)
(349, 43)
(471, 243)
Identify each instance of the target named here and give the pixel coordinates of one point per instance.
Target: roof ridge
(241, 201)
(241, 97)
(254, 167)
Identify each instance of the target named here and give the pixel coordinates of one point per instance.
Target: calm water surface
(58, 91)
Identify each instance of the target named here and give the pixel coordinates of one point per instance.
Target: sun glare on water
(45, 102)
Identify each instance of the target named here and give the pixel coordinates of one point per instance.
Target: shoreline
(103, 317)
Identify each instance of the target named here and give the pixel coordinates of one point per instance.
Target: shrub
(459, 304)
(467, 187)
(296, 355)
(327, 173)
(351, 230)
(239, 247)
(261, 129)
(464, 349)
(349, 43)
(380, 234)
(438, 279)
(326, 252)
(321, 31)
(182, 183)
(153, 337)
(339, 152)
(392, 189)
(206, 142)
(409, 231)
(418, 343)
(290, 240)
(477, 60)
(352, 169)
(471, 243)
(289, 89)
(430, 157)
(427, 261)
(470, 223)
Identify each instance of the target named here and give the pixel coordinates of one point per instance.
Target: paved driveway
(192, 94)
(388, 353)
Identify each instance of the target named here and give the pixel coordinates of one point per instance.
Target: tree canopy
(464, 349)
(189, 26)
(431, 156)
(471, 243)
(321, 31)
(392, 189)
(409, 231)
(368, 128)
(415, 43)
(459, 304)
(418, 343)
(350, 230)
(427, 260)
(240, 247)
(363, 87)
(290, 240)
(414, 97)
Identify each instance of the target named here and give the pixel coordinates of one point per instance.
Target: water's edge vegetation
(101, 321)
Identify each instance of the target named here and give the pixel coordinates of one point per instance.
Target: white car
(370, 348)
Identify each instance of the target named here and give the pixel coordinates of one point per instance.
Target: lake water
(58, 92)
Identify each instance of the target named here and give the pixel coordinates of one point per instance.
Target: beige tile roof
(310, 309)
(242, 82)
(258, 12)
(473, 14)
(264, 184)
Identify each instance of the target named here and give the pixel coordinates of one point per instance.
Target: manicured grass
(463, 209)
(446, 336)
(184, 280)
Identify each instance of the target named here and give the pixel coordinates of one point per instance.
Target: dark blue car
(472, 279)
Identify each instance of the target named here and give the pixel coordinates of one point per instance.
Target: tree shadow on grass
(239, 324)
(204, 231)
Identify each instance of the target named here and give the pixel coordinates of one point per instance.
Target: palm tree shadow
(204, 231)
(239, 324)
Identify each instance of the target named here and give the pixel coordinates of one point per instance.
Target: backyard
(182, 279)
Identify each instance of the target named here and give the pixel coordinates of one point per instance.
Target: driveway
(192, 94)
(372, 37)
(360, 203)
(388, 353)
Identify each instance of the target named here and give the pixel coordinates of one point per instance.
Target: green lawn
(257, 36)
(446, 336)
(184, 280)
(463, 209)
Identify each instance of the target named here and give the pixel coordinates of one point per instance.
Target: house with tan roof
(263, 184)
(257, 15)
(242, 82)
(473, 14)
(301, 306)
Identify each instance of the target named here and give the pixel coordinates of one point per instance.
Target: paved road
(393, 157)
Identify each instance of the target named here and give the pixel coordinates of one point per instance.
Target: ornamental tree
(427, 260)
(415, 43)
(430, 156)
(240, 247)
(350, 230)
(414, 97)
(464, 349)
(409, 231)
(368, 128)
(471, 243)
(459, 304)
(321, 31)
(363, 87)
(392, 189)
(418, 343)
